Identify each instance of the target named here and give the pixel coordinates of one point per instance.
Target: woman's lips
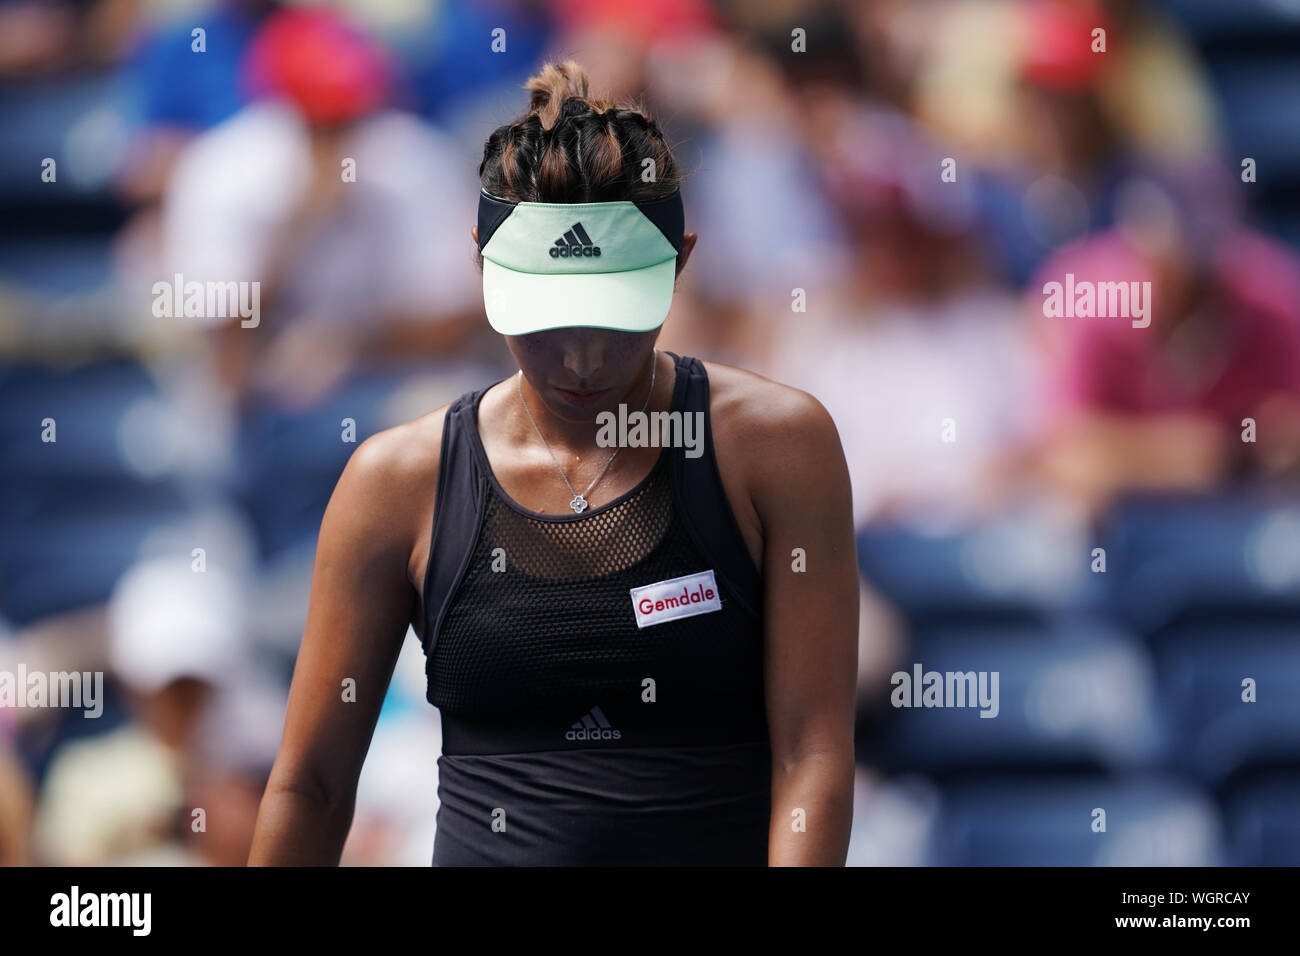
(582, 399)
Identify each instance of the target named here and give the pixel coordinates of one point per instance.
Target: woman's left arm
(800, 488)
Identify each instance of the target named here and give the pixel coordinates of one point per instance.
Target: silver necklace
(579, 502)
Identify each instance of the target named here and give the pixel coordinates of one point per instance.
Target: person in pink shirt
(1197, 381)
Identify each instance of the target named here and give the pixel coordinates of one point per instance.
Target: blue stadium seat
(1283, 221)
(1261, 113)
(72, 556)
(76, 511)
(88, 404)
(1174, 558)
(76, 120)
(1211, 19)
(1032, 821)
(1214, 733)
(1015, 569)
(290, 461)
(1263, 823)
(1073, 699)
(57, 266)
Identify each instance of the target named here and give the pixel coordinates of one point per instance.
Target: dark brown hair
(570, 148)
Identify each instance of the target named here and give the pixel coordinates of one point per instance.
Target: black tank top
(584, 721)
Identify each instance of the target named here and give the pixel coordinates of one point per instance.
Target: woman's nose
(583, 355)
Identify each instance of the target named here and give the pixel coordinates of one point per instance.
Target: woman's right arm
(360, 607)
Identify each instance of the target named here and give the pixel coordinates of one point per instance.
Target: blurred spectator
(1049, 127)
(919, 355)
(913, 333)
(348, 270)
(40, 38)
(767, 227)
(205, 731)
(16, 803)
(179, 91)
(454, 69)
(1072, 156)
(614, 40)
(1163, 407)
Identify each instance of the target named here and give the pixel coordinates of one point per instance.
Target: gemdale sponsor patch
(677, 597)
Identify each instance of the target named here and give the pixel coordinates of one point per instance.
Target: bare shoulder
(402, 456)
(747, 407)
(387, 490)
(770, 438)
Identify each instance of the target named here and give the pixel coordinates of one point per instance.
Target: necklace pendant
(578, 504)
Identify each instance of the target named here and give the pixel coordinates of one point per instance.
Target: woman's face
(580, 372)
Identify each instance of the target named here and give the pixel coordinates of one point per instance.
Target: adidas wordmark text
(593, 725)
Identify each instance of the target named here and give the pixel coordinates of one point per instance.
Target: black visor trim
(664, 211)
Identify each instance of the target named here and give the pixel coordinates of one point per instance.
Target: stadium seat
(58, 266)
(1214, 732)
(72, 557)
(1032, 821)
(291, 460)
(1261, 112)
(1208, 19)
(1176, 558)
(79, 121)
(89, 405)
(76, 511)
(1263, 824)
(1077, 699)
(1016, 569)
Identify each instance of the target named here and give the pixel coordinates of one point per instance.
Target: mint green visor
(607, 265)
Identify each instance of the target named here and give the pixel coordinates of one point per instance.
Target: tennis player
(642, 653)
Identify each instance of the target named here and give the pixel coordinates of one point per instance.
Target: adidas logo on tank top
(593, 725)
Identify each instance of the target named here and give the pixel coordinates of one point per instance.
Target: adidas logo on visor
(575, 242)
(593, 725)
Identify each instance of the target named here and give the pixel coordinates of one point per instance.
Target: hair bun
(552, 87)
(571, 147)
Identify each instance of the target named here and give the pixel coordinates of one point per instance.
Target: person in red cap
(331, 73)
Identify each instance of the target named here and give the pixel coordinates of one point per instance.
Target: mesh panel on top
(558, 625)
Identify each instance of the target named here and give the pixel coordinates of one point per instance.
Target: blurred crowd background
(1072, 502)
